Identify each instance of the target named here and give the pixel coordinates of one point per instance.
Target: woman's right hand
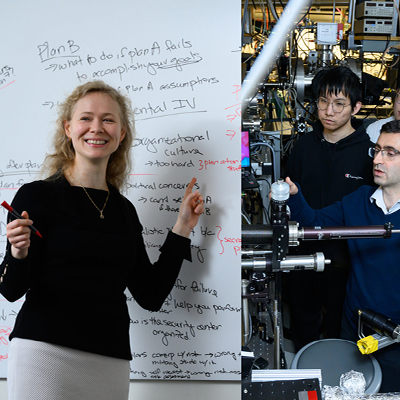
(19, 235)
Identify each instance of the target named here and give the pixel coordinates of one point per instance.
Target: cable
(373, 111)
(384, 55)
(264, 18)
(246, 217)
(244, 19)
(272, 155)
(282, 353)
(250, 330)
(265, 210)
(301, 19)
(273, 10)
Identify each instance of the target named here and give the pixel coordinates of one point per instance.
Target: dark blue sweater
(374, 280)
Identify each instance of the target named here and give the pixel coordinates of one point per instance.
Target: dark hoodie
(328, 171)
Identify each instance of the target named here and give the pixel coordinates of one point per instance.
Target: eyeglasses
(397, 98)
(337, 105)
(389, 154)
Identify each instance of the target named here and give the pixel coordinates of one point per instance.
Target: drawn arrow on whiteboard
(144, 200)
(149, 163)
(231, 134)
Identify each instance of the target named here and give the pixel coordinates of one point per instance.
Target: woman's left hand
(189, 212)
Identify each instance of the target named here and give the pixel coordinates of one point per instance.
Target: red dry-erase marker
(17, 215)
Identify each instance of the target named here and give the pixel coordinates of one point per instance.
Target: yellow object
(367, 345)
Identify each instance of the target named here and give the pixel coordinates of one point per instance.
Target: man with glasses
(329, 162)
(374, 129)
(374, 281)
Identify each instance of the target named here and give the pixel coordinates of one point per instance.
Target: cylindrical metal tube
(256, 234)
(255, 253)
(379, 322)
(258, 264)
(344, 232)
(271, 50)
(315, 262)
(277, 336)
(245, 314)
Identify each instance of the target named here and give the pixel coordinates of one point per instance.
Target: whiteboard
(180, 64)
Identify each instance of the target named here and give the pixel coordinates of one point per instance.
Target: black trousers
(315, 302)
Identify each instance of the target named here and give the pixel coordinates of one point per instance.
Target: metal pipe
(352, 13)
(344, 232)
(262, 234)
(334, 10)
(277, 336)
(256, 234)
(271, 50)
(315, 262)
(252, 252)
(245, 313)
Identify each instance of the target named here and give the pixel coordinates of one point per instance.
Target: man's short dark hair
(336, 80)
(391, 127)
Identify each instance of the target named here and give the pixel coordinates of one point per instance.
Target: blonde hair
(119, 164)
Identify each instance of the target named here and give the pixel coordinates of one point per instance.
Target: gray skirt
(38, 370)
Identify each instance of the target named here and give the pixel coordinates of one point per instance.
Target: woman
(91, 250)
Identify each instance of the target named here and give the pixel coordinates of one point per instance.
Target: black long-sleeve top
(74, 277)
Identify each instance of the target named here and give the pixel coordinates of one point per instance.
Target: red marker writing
(17, 215)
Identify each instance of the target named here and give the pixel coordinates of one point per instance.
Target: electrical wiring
(278, 99)
(250, 330)
(246, 2)
(292, 92)
(301, 19)
(264, 17)
(373, 110)
(246, 217)
(384, 62)
(258, 43)
(266, 181)
(370, 60)
(282, 353)
(265, 210)
(301, 36)
(261, 204)
(266, 216)
(258, 199)
(273, 10)
(264, 29)
(308, 111)
(272, 155)
(281, 105)
(281, 135)
(344, 52)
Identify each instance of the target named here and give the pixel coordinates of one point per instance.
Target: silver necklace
(87, 194)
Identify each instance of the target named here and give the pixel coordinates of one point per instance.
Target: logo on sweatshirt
(353, 177)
